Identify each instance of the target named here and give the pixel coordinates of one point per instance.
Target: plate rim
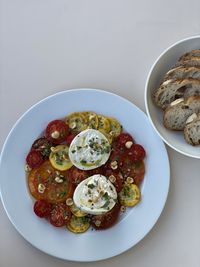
(145, 233)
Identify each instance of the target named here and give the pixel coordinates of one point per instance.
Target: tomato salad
(84, 171)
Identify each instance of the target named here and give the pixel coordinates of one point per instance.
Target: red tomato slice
(99, 170)
(115, 155)
(34, 159)
(69, 139)
(42, 208)
(76, 176)
(121, 140)
(106, 220)
(118, 179)
(60, 215)
(54, 192)
(43, 146)
(57, 131)
(136, 152)
(132, 168)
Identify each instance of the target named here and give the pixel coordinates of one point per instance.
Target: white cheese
(95, 195)
(89, 150)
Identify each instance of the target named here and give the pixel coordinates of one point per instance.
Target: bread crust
(182, 72)
(192, 132)
(188, 55)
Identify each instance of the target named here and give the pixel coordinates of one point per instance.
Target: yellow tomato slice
(77, 122)
(129, 195)
(92, 120)
(108, 136)
(76, 211)
(104, 124)
(115, 127)
(59, 158)
(78, 224)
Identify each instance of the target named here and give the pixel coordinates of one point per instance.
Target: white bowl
(164, 62)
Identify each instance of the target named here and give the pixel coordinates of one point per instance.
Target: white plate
(92, 245)
(164, 62)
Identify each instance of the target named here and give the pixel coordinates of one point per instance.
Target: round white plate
(165, 61)
(92, 245)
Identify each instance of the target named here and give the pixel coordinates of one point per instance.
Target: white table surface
(50, 46)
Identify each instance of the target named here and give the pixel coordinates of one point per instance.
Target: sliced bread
(176, 115)
(192, 131)
(189, 62)
(183, 72)
(170, 90)
(188, 55)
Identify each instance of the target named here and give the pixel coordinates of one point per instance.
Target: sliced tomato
(106, 220)
(34, 159)
(53, 192)
(57, 131)
(99, 170)
(43, 146)
(59, 158)
(42, 208)
(60, 215)
(136, 152)
(118, 183)
(115, 155)
(69, 138)
(132, 168)
(121, 140)
(76, 175)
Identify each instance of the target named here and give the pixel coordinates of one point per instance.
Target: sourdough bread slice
(183, 72)
(192, 132)
(190, 62)
(188, 55)
(176, 115)
(170, 90)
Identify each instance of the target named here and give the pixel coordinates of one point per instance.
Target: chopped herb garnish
(62, 194)
(91, 186)
(106, 196)
(84, 219)
(126, 191)
(106, 204)
(83, 161)
(58, 159)
(89, 192)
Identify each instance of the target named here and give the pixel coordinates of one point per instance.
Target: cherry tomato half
(69, 138)
(43, 146)
(42, 208)
(136, 152)
(121, 140)
(60, 215)
(34, 159)
(57, 131)
(106, 220)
